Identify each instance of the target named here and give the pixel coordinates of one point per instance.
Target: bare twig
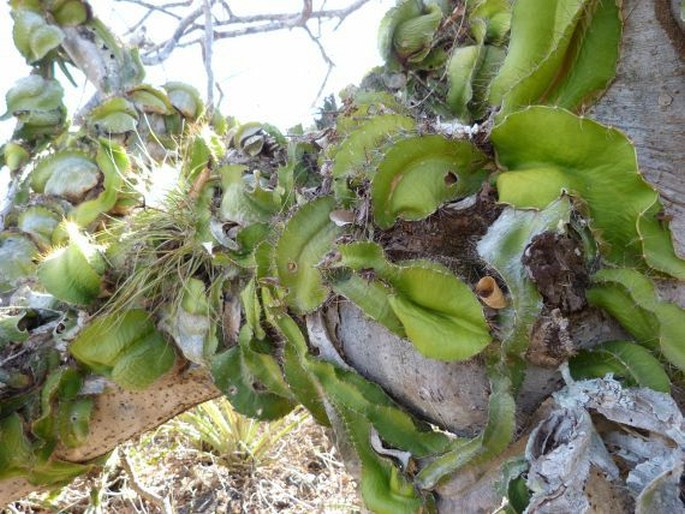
(207, 53)
(325, 57)
(163, 503)
(191, 29)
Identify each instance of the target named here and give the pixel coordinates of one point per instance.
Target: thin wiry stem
(192, 27)
(207, 52)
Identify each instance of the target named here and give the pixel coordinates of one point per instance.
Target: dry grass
(169, 472)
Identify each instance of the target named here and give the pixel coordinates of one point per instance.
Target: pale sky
(265, 77)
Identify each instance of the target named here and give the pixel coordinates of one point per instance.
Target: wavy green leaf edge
(631, 298)
(73, 273)
(468, 74)
(126, 347)
(561, 52)
(549, 150)
(353, 151)
(624, 359)
(307, 237)
(420, 300)
(502, 247)
(362, 406)
(247, 392)
(33, 36)
(114, 163)
(419, 174)
(497, 435)
(405, 34)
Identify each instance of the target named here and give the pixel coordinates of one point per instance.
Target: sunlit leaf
(418, 174)
(125, 346)
(33, 36)
(307, 237)
(631, 298)
(69, 173)
(561, 52)
(549, 150)
(73, 273)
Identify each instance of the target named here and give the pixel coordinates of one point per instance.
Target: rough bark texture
(119, 415)
(647, 102)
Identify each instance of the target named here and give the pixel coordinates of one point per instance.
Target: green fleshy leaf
(39, 222)
(143, 362)
(185, 99)
(469, 72)
(307, 237)
(412, 38)
(624, 359)
(69, 173)
(15, 155)
(461, 69)
(631, 298)
(61, 385)
(549, 150)
(497, 435)
(404, 11)
(241, 203)
(364, 406)
(151, 100)
(430, 306)
(113, 162)
(502, 248)
(490, 20)
(261, 363)
(100, 343)
(125, 346)
(15, 449)
(368, 400)
(33, 93)
(355, 152)
(56, 472)
(70, 13)
(297, 375)
(246, 395)
(10, 331)
(594, 61)
(73, 273)
(33, 36)
(372, 297)
(418, 174)
(17, 254)
(561, 52)
(74, 420)
(384, 488)
(191, 325)
(440, 314)
(114, 116)
(364, 255)
(252, 309)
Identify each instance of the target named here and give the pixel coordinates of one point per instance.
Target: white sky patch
(272, 77)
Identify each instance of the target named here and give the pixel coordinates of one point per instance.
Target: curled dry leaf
(490, 293)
